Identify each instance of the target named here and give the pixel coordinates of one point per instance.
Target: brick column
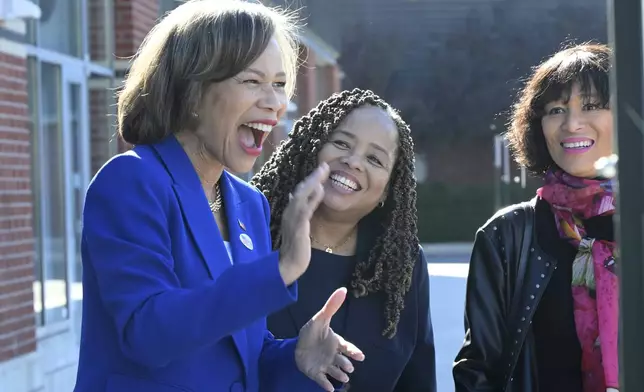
(17, 323)
(133, 19)
(97, 14)
(332, 78)
(306, 91)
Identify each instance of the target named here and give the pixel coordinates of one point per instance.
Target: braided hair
(390, 264)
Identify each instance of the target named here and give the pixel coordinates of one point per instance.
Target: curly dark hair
(587, 64)
(392, 257)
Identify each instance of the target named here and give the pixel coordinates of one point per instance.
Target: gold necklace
(329, 248)
(215, 205)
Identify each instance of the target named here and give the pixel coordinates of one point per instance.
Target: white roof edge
(18, 9)
(325, 54)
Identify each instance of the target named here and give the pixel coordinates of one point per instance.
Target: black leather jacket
(507, 277)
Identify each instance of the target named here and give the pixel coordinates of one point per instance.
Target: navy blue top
(404, 363)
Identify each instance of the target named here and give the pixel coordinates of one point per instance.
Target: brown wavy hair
(199, 43)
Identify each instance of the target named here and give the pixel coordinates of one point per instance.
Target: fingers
(320, 174)
(337, 373)
(323, 382)
(331, 306)
(307, 195)
(349, 349)
(312, 184)
(343, 363)
(315, 198)
(340, 368)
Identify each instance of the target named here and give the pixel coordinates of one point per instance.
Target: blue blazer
(164, 309)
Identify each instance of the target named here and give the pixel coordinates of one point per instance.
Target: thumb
(331, 306)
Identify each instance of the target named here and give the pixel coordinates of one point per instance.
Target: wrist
(288, 272)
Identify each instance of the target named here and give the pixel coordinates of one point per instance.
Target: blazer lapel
(199, 219)
(194, 205)
(240, 230)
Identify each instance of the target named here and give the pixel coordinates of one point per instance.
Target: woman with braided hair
(363, 235)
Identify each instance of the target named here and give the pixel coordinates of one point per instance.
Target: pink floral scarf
(595, 286)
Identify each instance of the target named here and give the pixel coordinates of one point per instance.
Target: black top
(390, 364)
(557, 347)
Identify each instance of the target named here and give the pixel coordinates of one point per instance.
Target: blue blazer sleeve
(127, 238)
(420, 372)
(278, 371)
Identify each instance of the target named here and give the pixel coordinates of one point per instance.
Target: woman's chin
(333, 203)
(241, 165)
(579, 166)
(581, 171)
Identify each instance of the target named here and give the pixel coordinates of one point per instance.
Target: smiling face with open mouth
(361, 153)
(578, 131)
(237, 115)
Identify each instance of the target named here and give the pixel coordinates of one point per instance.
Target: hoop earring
(381, 204)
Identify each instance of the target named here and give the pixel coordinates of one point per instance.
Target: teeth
(344, 181)
(583, 144)
(260, 127)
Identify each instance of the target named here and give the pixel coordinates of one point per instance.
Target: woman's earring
(195, 115)
(381, 204)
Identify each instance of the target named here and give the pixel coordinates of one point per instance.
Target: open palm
(320, 351)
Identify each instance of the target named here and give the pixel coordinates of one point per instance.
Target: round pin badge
(245, 239)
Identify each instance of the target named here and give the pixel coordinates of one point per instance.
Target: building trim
(12, 35)
(50, 56)
(12, 48)
(99, 70)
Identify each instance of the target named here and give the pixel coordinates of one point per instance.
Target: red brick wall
(17, 324)
(97, 30)
(133, 19)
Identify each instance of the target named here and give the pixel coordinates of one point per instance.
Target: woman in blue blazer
(179, 272)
